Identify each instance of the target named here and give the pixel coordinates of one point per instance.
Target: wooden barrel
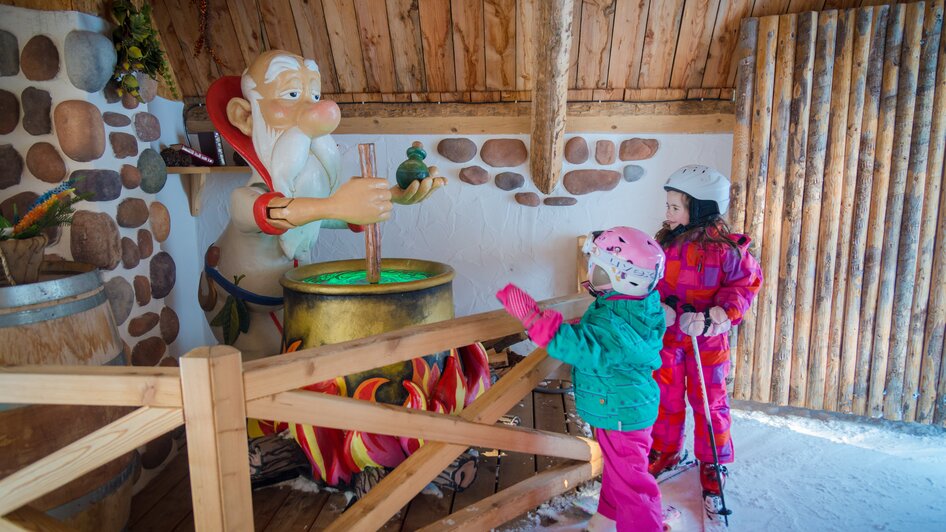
(64, 319)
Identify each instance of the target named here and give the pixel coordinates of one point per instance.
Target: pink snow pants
(629, 494)
(677, 377)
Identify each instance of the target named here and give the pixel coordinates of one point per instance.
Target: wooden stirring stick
(366, 156)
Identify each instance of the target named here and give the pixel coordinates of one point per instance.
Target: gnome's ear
(240, 115)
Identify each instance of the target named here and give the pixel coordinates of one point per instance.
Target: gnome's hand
(362, 201)
(540, 325)
(418, 191)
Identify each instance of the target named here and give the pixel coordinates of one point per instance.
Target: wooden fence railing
(213, 392)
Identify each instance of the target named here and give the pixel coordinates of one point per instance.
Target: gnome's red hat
(218, 96)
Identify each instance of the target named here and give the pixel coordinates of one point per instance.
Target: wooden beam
(553, 25)
(211, 379)
(85, 454)
(293, 370)
(518, 499)
(400, 486)
(323, 410)
(88, 385)
(29, 518)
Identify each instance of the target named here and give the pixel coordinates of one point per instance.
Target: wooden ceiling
(473, 50)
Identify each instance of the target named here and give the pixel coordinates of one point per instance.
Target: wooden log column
(553, 24)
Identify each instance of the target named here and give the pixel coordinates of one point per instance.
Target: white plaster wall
(481, 231)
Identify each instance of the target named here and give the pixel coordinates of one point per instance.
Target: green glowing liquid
(360, 277)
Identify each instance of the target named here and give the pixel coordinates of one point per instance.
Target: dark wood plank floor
(165, 504)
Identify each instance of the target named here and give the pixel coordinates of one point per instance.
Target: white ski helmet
(704, 184)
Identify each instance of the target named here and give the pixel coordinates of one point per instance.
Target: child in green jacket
(614, 350)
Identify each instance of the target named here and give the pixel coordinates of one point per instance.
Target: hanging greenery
(136, 42)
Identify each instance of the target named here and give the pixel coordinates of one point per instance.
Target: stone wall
(59, 119)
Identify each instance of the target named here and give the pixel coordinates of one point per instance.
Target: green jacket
(614, 351)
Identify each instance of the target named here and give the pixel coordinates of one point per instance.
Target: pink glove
(670, 315)
(713, 322)
(540, 325)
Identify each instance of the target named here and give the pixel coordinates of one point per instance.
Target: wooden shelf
(193, 178)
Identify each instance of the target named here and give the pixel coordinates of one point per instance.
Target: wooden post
(745, 84)
(886, 354)
(886, 122)
(791, 221)
(860, 213)
(832, 187)
(774, 193)
(755, 185)
(811, 210)
(366, 156)
(745, 81)
(934, 259)
(912, 290)
(215, 419)
(553, 25)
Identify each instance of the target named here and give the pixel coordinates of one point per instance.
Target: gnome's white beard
(300, 167)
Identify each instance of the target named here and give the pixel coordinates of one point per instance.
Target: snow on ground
(800, 473)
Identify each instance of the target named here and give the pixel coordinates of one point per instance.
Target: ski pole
(709, 421)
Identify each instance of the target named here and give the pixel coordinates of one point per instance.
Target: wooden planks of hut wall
(852, 315)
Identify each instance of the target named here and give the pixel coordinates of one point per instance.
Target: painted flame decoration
(335, 455)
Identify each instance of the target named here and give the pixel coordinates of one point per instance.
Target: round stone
(80, 130)
(9, 112)
(576, 150)
(130, 255)
(504, 152)
(45, 163)
(131, 176)
(123, 145)
(157, 450)
(633, 172)
(9, 54)
(474, 175)
(580, 182)
(510, 180)
(103, 185)
(560, 201)
(142, 290)
(457, 150)
(163, 274)
(154, 173)
(604, 152)
(143, 324)
(638, 149)
(170, 325)
(121, 298)
(148, 351)
(94, 239)
(132, 212)
(11, 166)
(147, 127)
(116, 119)
(160, 221)
(90, 59)
(147, 87)
(529, 199)
(129, 101)
(111, 92)
(169, 362)
(145, 243)
(40, 59)
(37, 109)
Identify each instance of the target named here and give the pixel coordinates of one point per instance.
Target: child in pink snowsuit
(709, 270)
(614, 350)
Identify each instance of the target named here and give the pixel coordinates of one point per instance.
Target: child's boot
(708, 478)
(661, 461)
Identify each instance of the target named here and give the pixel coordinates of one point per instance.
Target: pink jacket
(708, 275)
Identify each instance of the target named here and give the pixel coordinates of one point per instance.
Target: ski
(685, 464)
(713, 518)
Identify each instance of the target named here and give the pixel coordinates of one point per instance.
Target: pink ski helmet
(625, 260)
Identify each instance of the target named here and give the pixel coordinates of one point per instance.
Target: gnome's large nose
(319, 118)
